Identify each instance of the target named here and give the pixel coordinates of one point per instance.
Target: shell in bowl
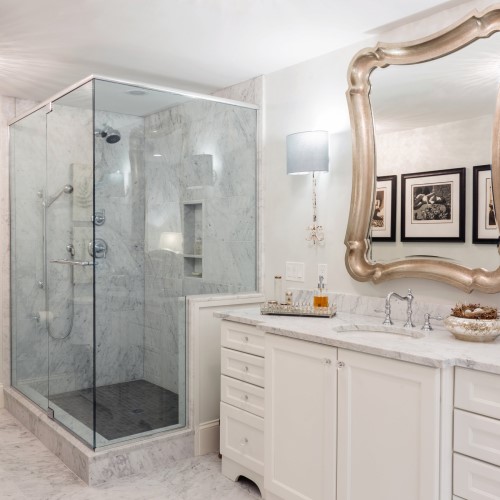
(473, 330)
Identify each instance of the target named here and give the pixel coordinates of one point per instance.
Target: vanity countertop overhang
(437, 348)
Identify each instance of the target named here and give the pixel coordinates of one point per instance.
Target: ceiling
(197, 45)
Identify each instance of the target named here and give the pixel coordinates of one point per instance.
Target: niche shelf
(193, 239)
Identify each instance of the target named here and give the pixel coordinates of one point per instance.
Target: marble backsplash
(375, 306)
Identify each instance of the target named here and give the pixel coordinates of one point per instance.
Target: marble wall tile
(195, 138)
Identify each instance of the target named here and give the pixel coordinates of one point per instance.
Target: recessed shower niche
(99, 341)
(193, 239)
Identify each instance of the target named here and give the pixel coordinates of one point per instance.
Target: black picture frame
(383, 224)
(483, 214)
(433, 206)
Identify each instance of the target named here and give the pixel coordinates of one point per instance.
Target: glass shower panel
(27, 179)
(132, 323)
(69, 277)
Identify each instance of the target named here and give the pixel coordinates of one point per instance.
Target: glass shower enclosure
(124, 199)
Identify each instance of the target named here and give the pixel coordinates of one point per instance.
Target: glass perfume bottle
(320, 297)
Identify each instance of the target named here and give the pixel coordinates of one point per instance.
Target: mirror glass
(434, 116)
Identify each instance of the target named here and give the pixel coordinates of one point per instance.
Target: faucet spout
(409, 312)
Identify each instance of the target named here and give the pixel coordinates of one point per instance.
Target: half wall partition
(124, 199)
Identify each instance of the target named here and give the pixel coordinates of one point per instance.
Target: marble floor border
(97, 467)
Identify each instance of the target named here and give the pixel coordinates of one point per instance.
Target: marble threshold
(97, 467)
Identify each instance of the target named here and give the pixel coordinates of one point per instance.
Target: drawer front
(242, 366)
(243, 338)
(478, 392)
(477, 436)
(474, 480)
(242, 437)
(248, 397)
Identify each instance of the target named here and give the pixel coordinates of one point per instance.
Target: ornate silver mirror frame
(358, 263)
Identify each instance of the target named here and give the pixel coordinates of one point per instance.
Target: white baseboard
(207, 438)
(2, 401)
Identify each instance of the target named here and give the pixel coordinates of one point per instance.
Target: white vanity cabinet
(388, 444)
(242, 402)
(476, 459)
(388, 429)
(300, 422)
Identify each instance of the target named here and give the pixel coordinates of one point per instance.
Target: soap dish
(297, 310)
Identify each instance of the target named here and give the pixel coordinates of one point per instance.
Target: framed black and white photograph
(383, 225)
(433, 206)
(484, 224)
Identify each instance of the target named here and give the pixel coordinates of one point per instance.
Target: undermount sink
(397, 330)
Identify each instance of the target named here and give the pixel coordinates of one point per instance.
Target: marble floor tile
(29, 471)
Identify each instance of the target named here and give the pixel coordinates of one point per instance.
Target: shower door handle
(72, 262)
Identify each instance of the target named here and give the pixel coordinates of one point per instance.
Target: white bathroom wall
(311, 96)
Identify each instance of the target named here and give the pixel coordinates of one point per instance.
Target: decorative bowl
(473, 330)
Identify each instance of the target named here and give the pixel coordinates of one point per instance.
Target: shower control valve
(99, 218)
(98, 248)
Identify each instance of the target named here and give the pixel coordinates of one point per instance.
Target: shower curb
(98, 467)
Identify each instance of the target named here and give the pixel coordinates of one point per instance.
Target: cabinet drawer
(245, 396)
(475, 480)
(477, 436)
(243, 338)
(478, 392)
(242, 437)
(242, 366)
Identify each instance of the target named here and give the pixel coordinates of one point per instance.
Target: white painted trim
(2, 400)
(207, 437)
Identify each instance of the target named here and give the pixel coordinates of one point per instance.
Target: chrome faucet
(409, 299)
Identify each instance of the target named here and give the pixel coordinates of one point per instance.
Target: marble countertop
(437, 348)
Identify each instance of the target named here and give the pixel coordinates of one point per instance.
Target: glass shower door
(68, 227)
(27, 185)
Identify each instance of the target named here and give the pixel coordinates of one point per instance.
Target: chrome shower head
(111, 135)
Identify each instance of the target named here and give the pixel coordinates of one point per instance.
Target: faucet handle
(427, 327)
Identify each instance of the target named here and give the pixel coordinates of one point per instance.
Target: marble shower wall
(200, 200)
(119, 191)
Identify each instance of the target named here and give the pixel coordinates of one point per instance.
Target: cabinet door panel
(388, 429)
(300, 408)
(245, 338)
(478, 392)
(242, 366)
(475, 480)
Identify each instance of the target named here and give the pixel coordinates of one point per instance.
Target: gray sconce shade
(307, 152)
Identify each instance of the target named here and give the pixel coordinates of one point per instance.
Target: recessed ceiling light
(157, 155)
(136, 92)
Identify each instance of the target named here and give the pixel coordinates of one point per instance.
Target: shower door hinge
(48, 108)
(50, 413)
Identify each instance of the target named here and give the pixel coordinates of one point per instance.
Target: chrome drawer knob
(246, 339)
(246, 369)
(244, 442)
(245, 397)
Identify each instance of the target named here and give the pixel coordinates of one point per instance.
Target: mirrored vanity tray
(297, 310)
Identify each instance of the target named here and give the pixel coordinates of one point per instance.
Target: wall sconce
(308, 152)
